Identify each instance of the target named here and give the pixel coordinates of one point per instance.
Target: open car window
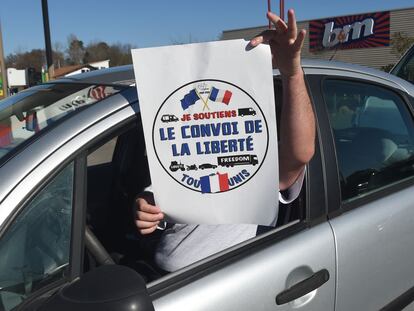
(374, 136)
(112, 187)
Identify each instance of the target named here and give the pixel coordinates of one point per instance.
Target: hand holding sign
(147, 216)
(285, 43)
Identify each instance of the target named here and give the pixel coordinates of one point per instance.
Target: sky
(149, 23)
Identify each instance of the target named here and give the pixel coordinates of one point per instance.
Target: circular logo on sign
(210, 136)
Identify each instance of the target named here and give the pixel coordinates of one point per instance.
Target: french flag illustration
(223, 96)
(189, 99)
(214, 183)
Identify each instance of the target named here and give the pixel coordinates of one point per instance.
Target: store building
(363, 39)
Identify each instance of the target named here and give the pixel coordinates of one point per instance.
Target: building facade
(363, 39)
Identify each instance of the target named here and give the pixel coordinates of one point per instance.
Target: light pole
(48, 44)
(269, 9)
(3, 75)
(282, 9)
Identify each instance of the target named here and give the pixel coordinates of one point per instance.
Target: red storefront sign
(350, 32)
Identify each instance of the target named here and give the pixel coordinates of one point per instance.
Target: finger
(292, 28)
(277, 21)
(145, 224)
(145, 207)
(264, 37)
(256, 40)
(149, 217)
(148, 230)
(299, 40)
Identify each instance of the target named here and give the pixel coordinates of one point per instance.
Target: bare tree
(58, 54)
(75, 50)
(400, 43)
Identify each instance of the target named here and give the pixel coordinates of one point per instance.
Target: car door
(289, 268)
(373, 130)
(256, 276)
(43, 217)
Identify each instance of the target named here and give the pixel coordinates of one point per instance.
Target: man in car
(183, 244)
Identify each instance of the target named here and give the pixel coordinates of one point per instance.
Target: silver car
(72, 160)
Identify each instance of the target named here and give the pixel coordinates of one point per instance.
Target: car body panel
(375, 250)
(253, 282)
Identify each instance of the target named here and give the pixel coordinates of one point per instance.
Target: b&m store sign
(350, 32)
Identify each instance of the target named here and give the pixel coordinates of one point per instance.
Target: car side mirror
(109, 287)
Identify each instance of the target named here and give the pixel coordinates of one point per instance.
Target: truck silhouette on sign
(246, 159)
(246, 112)
(169, 118)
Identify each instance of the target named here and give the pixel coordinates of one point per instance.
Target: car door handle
(304, 287)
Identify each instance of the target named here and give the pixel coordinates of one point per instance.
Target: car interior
(112, 187)
(374, 142)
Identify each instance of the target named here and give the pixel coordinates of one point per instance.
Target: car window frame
(315, 197)
(79, 209)
(79, 156)
(175, 280)
(385, 190)
(315, 214)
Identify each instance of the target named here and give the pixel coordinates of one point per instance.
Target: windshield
(25, 115)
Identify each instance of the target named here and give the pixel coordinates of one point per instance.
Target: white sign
(16, 77)
(209, 121)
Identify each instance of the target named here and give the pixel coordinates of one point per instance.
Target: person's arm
(297, 128)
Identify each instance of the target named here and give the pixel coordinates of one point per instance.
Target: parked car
(206, 166)
(405, 66)
(70, 174)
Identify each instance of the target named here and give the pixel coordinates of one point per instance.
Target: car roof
(125, 74)
(118, 75)
(358, 69)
